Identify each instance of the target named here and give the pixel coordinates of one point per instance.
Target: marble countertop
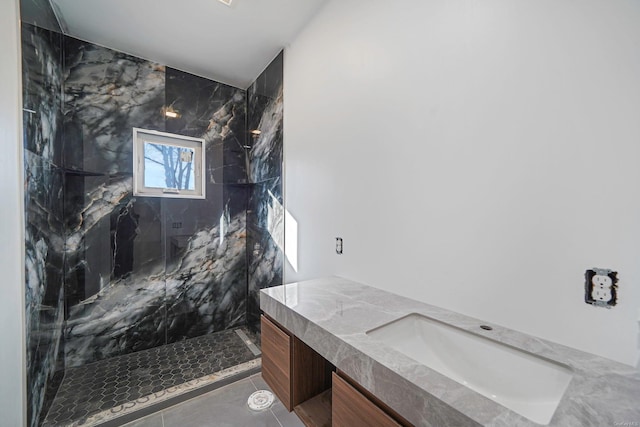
(332, 314)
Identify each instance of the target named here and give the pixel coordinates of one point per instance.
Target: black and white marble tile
(114, 272)
(132, 257)
(217, 113)
(207, 291)
(213, 111)
(265, 112)
(265, 243)
(110, 234)
(42, 92)
(107, 94)
(265, 214)
(44, 229)
(44, 255)
(133, 312)
(217, 302)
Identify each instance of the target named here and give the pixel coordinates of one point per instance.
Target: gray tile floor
(224, 407)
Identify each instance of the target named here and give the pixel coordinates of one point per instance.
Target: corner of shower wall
(44, 223)
(265, 214)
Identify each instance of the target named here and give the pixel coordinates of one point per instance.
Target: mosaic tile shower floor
(97, 392)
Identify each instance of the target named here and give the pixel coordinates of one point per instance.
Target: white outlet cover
(601, 290)
(600, 280)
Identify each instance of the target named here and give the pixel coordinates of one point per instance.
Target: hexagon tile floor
(94, 393)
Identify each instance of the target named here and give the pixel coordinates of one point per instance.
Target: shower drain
(260, 400)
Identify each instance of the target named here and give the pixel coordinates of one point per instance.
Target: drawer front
(350, 408)
(276, 360)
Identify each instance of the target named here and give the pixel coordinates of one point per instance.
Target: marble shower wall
(265, 215)
(143, 271)
(107, 93)
(206, 273)
(44, 226)
(108, 273)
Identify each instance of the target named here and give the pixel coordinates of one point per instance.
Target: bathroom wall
(44, 211)
(164, 269)
(479, 156)
(265, 215)
(12, 328)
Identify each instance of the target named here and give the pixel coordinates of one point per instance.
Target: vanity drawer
(276, 360)
(351, 408)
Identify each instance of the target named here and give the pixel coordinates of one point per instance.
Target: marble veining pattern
(126, 315)
(133, 257)
(332, 315)
(215, 112)
(265, 113)
(99, 203)
(42, 92)
(266, 153)
(265, 213)
(265, 242)
(44, 228)
(107, 94)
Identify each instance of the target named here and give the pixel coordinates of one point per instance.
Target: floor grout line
(254, 384)
(274, 416)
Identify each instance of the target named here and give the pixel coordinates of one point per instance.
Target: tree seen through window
(168, 166)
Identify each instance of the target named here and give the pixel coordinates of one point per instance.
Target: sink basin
(523, 382)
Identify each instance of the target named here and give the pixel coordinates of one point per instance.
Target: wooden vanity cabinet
(351, 408)
(276, 360)
(307, 383)
(293, 370)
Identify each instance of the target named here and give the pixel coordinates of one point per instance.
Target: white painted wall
(12, 350)
(475, 155)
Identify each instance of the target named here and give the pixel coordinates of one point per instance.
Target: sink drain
(260, 400)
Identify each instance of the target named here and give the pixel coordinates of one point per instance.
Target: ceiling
(230, 44)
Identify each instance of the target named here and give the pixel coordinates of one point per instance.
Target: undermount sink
(523, 382)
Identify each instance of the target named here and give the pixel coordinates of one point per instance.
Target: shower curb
(155, 402)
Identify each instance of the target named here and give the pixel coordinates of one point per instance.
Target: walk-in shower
(133, 299)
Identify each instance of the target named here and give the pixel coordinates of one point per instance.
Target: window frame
(198, 145)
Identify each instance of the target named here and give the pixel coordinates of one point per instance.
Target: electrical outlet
(339, 245)
(600, 287)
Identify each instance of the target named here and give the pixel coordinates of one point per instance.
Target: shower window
(168, 165)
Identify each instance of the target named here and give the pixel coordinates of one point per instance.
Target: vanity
(341, 353)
